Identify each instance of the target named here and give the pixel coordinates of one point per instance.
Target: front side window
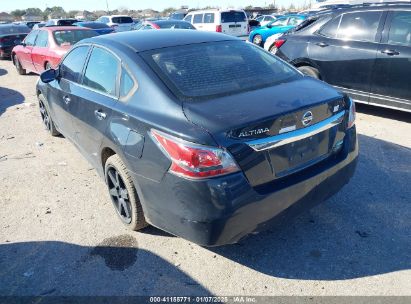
(101, 72)
(293, 21)
(31, 38)
(198, 18)
(42, 39)
(73, 63)
(218, 68)
(400, 30)
(122, 20)
(188, 18)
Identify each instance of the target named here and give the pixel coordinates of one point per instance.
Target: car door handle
(322, 44)
(390, 52)
(67, 100)
(100, 115)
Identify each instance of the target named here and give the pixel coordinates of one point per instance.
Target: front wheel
(258, 40)
(309, 71)
(123, 194)
(18, 66)
(46, 118)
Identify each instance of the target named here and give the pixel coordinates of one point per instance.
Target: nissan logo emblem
(307, 118)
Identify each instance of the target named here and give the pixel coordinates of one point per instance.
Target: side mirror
(269, 26)
(49, 75)
(23, 44)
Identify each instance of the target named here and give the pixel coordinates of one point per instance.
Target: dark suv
(363, 50)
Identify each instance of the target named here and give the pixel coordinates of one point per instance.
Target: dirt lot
(59, 234)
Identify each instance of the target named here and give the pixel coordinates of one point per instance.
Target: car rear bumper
(223, 210)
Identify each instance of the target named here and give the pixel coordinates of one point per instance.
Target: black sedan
(200, 134)
(10, 36)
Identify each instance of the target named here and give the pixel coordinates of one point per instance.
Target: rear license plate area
(300, 154)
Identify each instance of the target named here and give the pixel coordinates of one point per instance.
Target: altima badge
(254, 132)
(307, 118)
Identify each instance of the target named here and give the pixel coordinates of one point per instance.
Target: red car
(43, 48)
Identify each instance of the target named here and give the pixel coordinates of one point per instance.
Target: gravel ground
(59, 234)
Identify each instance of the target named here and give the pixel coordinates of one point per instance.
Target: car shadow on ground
(383, 112)
(117, 267)
(363, 230)
(3, 72)
(9, 98)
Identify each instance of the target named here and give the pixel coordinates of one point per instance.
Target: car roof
(168, 21)
(140, 41)
(216, 10)
(62, 28)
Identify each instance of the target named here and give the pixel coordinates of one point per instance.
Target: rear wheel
(258, 40)
(18, 66)
(309, 71)
(123, 194)
(45, 116)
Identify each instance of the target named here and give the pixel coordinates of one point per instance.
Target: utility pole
(108, 10)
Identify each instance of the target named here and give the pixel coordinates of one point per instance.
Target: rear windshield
(124, 19)
(14, 29)
(216, 69)
(71, 37)
(233, 17)
(67, 22)
(94, 25)
(175, 25)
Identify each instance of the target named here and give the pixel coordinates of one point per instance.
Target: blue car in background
(99, 27)
(281, 25)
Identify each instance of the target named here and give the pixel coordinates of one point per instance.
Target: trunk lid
(238, 121)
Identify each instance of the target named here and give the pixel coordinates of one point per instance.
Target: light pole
(108, 10)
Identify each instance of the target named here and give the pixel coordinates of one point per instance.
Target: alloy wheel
(119, 194)
(45, 116)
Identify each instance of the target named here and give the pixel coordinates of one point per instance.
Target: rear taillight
(194, 161)
(278, 43)
(351, 114)
(219, 29)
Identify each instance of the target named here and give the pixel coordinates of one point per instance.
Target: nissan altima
(200, 134)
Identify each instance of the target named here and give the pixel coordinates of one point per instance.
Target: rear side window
(198, 18)
(73, 64)
(101, 72)
(400, 30)
(233, 16)
(361, 26)
(66, 22)
(42, 39)
(218, 68)
(209, 18)
(126, 84)
(121, 20)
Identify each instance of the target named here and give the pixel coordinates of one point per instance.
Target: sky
(8, 5)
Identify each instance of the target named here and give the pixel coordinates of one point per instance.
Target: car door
(39, 50)
(63, 91)
(95, 100)
(345, 48)
(391, 75)
(25, 55)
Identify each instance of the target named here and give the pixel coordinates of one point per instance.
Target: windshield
(233, 16)
(217, 68)
(279, 22)
(175, 25)
(14, 29)
(123, 19)
(71, 37)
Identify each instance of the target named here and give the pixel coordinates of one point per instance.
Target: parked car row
(364, 51)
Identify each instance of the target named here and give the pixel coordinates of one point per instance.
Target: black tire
(272, 49)
(46, 117)
(309, 71)
(123, 194)
(258, 40)
(18, 66)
